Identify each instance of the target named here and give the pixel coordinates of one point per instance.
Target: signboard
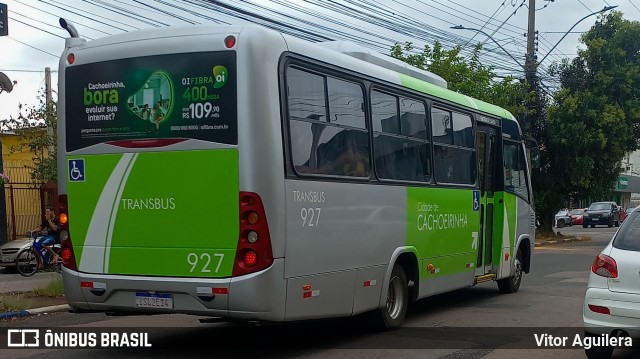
(623, 182)
(4, 26)
(178, 96)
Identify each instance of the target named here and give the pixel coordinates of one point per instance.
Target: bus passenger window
(401, 146)
(306, 95)
(327, 141)
(455, 154)
(515, 168)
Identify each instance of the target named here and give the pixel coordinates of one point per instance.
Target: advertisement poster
(188, 95)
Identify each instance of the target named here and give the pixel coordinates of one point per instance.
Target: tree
(470, 78)
(595, 117)
(36, 126)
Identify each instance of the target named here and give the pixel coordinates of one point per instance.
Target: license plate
(148, 300)
(8, 259)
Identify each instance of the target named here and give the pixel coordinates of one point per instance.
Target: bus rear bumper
(257, 296)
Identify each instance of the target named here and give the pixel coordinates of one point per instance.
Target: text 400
(203, 262)
(202, 110)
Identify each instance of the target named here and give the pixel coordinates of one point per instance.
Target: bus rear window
(189, 95)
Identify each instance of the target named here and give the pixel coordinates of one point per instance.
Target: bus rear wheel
(393, 313)
(512, 284)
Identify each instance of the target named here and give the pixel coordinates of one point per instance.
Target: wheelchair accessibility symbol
(76, 170)
(476, 201)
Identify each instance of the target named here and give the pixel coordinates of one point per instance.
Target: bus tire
(512, 283)
(394, 311)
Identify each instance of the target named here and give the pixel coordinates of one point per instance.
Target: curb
(563, 240)
(34, 311)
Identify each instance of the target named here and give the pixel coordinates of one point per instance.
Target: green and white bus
(236, 172)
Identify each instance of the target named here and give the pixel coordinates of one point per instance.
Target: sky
(36, 40)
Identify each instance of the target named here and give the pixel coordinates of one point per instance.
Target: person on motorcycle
(49, 228)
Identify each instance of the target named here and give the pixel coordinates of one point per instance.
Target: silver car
(562, 218)
(9, 251)
(612, 301)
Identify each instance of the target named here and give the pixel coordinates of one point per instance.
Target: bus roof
(413, 78)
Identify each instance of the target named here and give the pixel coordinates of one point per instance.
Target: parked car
(623, 214)
(612, 301)
(627, 212)
(576, 216)
(9, 251)
(562, 218)
(601, 213)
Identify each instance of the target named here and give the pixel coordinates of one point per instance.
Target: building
(629, 182)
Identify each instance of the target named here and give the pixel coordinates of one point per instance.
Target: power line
(30, 18)
(87, 17)
(580, 1)
(396, 23)
(33, 47)
(35, 27)
(24, 70)
(632, 4)
(56, 16)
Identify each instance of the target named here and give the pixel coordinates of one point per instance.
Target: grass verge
(53, 289)
(552, 236)
(12, 302)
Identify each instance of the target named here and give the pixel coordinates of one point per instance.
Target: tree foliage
(468, 77)
(595, 117)
(36, 127)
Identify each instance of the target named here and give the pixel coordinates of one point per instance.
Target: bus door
(487, 139)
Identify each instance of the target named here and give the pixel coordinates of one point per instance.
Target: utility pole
(49, 107)
(530, 70)
(47, 82)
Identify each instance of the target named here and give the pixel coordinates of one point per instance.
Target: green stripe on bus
(452, 96)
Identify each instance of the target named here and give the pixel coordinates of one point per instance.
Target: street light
(605, 9)
(460, 27)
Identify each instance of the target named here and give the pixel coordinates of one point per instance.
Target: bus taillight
(66, 251)
(230, 41)
(254, 251)
(250, 258)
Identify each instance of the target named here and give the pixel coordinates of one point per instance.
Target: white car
(611, 310)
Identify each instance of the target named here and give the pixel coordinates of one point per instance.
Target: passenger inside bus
(345, 154)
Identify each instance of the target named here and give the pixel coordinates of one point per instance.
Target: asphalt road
(476, 322)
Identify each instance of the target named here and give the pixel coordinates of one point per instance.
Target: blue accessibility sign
(76, 170)
(476, 201)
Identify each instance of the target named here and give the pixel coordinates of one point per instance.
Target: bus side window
(400, 138)
(325, 140)
(455, 155)
(515, 170)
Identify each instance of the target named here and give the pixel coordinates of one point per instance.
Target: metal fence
(24, 199)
